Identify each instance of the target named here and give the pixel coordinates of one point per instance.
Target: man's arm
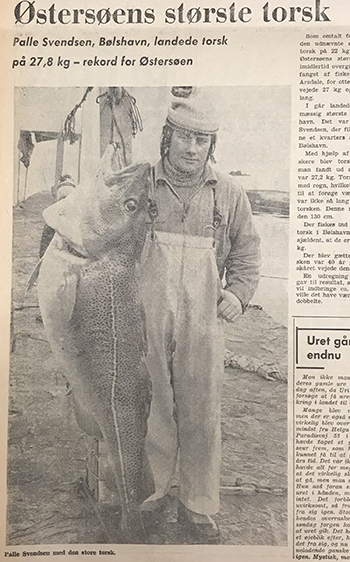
(243, 261)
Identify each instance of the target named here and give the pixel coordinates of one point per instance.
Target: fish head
(124, 211)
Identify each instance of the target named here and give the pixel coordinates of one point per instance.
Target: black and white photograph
(149, 316)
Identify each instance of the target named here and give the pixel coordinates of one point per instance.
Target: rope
(243, 488)
(135, 115)
(250, 488)
(274, 277)
(117, 147)
(68, 132)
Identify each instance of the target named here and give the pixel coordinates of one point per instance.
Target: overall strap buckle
(217, 216)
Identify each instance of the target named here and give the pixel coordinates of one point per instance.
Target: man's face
(188, 150)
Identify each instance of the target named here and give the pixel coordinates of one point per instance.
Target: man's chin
(190, 166)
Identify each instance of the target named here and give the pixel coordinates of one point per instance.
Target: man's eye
(202, 140)
(184, 136)
(130, 205)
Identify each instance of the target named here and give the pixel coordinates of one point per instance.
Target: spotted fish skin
(94, 321)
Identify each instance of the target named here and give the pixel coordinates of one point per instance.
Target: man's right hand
(229, 307)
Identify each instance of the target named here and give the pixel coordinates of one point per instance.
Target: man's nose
(192, 145)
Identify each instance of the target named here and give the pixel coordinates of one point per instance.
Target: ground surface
(46, 455)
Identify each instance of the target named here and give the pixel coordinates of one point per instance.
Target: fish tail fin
(148, 487)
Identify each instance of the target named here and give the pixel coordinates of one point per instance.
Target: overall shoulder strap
(152, 202)
(217, 216)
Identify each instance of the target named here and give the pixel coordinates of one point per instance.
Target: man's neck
(181, 179)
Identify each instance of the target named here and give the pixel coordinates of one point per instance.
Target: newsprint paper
(175, 288)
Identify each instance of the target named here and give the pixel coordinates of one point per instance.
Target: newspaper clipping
(175, 297)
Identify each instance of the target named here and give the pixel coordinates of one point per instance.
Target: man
(201, 230)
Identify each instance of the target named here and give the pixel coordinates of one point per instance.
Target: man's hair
(167, 134)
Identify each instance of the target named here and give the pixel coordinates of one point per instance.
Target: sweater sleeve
(242, 264)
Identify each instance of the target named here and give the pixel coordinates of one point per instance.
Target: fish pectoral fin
(144, 331)
(34, 275)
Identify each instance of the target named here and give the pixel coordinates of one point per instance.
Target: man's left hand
(230, 307)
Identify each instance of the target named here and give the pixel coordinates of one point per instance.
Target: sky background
(254, 137)
(254, 134)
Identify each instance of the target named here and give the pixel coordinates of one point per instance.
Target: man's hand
(229, 307)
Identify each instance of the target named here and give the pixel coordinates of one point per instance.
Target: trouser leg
(161, 440)
(198, 374)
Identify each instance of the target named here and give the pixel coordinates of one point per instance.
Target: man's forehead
(189, 132)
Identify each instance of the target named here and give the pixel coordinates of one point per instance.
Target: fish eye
(130, 205)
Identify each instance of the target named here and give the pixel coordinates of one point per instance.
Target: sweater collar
(209, 176)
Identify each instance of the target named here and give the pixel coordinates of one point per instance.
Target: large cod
(93, 317)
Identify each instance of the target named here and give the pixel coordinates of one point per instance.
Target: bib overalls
(180, 290)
